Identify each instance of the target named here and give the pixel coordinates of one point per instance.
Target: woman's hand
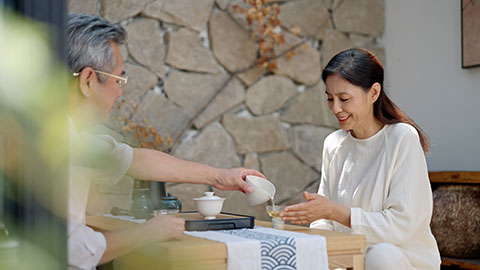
(163, 227)
(316, 207)
(234, 179)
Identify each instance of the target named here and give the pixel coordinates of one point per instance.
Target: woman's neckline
(380, 131)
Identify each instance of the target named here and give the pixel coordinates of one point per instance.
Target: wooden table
(344, 250)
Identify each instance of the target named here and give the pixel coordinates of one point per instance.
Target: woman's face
(352, 106)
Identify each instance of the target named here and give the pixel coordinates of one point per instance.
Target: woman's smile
(343, 119)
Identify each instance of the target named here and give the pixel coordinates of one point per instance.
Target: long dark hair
(361, 68)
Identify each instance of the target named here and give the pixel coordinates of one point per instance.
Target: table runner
(126, 218)
(266, 248)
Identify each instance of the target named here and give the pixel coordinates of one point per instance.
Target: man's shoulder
(108, 136)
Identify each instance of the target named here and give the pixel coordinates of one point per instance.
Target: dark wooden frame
(470, 9)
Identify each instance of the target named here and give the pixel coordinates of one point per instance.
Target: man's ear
(86, 78)
(374, 92)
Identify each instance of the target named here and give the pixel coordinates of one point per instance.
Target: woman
(374, 174)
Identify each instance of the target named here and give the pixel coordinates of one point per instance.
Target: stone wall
(187, 64)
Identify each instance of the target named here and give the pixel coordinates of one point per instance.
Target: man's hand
(164, 227)
(234, 179)
(158, 228)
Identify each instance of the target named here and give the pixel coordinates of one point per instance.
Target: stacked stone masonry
(188, 60)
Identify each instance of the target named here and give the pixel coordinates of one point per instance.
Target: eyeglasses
(122, 80)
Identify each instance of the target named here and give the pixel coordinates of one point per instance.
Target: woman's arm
(316, 207)
(408, 205)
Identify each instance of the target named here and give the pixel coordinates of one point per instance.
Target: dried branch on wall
(262, 18)
(144, 134)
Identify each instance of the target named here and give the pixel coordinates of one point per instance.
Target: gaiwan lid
(209, 197)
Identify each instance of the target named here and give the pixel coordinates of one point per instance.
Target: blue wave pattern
(278, 252)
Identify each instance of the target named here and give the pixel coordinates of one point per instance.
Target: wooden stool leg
(106, 266)
(358, 263)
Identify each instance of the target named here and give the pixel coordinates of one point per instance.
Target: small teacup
(278, 223)
(274, 213)
(263, 190)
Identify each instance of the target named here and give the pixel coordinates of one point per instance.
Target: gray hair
(88, 42)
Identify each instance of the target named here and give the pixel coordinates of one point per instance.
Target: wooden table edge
(355, 249)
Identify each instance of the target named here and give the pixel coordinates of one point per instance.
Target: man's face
(106, 93)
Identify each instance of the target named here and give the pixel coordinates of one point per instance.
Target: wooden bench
(454, 177)
(454, 263)
(449, 178)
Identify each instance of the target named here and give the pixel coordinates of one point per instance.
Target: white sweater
(384, 181)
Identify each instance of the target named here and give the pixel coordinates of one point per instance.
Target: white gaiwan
(263, 190)
(209, 206)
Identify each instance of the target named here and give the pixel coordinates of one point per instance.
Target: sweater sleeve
(85, 247)
(408, 204)
(117, 159)
(108, 159)
(324, 224)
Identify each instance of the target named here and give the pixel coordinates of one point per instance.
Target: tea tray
(224, 221)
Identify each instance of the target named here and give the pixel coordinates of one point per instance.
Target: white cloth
(311, 249)
(85, 247)
(251, 248)
(91, 157)
(127, 218)
(384, 180)
(242, 253)
(383, 256)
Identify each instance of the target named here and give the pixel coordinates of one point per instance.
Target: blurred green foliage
(33, 148)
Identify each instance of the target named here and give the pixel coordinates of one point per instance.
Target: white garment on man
(102, 158)
(384, 180)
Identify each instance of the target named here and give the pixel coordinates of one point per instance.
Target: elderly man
(96, 64)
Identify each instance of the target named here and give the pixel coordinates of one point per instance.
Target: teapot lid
(209, 197)
(168, 197)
